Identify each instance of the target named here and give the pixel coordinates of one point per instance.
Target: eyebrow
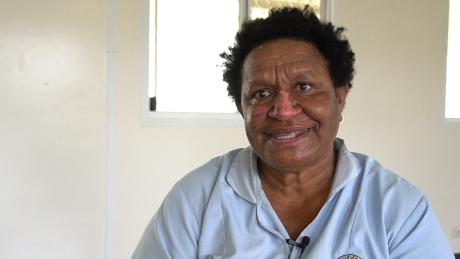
(297, 68)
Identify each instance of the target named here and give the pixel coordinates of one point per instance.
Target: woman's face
(289, 105)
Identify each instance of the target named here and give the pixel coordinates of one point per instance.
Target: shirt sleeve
(173, 231)
(420, 236)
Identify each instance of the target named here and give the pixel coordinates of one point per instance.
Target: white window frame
(159, 118)
(447, 123)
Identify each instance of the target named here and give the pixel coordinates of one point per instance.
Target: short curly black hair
(290, 23)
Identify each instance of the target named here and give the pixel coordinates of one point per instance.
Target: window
(452, 109)
(182, 73)
(260, 8)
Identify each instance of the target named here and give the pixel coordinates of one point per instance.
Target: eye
(259, 95)
(262, 93)
(303, 87)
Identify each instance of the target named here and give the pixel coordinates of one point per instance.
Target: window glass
(190, 36)
(260, 8)
(453, 62)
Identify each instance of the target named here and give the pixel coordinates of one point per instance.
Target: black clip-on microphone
(302, 246)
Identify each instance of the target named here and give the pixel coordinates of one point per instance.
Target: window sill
(451, 123)
(151, 118)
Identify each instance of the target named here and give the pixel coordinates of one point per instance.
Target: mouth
(288, 135)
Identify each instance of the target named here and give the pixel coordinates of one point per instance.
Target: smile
(288, 135)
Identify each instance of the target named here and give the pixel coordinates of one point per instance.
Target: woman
(296, 192)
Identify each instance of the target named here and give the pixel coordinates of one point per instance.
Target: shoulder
(198, 187)
(372, 179)
(175, 229)
(394, 200)
(206, 176)
(401, 210)
(378, 178)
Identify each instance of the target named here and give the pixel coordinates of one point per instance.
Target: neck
(302, 183)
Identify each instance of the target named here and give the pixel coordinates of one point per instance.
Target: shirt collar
(345, 171)
(243, 177)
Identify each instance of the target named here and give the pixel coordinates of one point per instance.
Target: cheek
(259, 110)
(322, 97)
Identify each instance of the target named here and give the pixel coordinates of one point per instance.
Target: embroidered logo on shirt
(349, 257)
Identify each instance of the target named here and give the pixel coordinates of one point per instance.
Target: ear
(341, 94)
(240, 110)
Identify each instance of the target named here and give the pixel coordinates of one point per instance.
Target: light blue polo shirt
(220, 211)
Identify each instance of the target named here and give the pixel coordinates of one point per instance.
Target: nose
(284, 108)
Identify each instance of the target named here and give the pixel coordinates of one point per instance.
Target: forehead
(283, 52)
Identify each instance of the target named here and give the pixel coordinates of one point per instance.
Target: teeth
(289, 135)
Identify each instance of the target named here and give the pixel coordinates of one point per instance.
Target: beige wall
(395, 112)
(52, 128)
(53, 121)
